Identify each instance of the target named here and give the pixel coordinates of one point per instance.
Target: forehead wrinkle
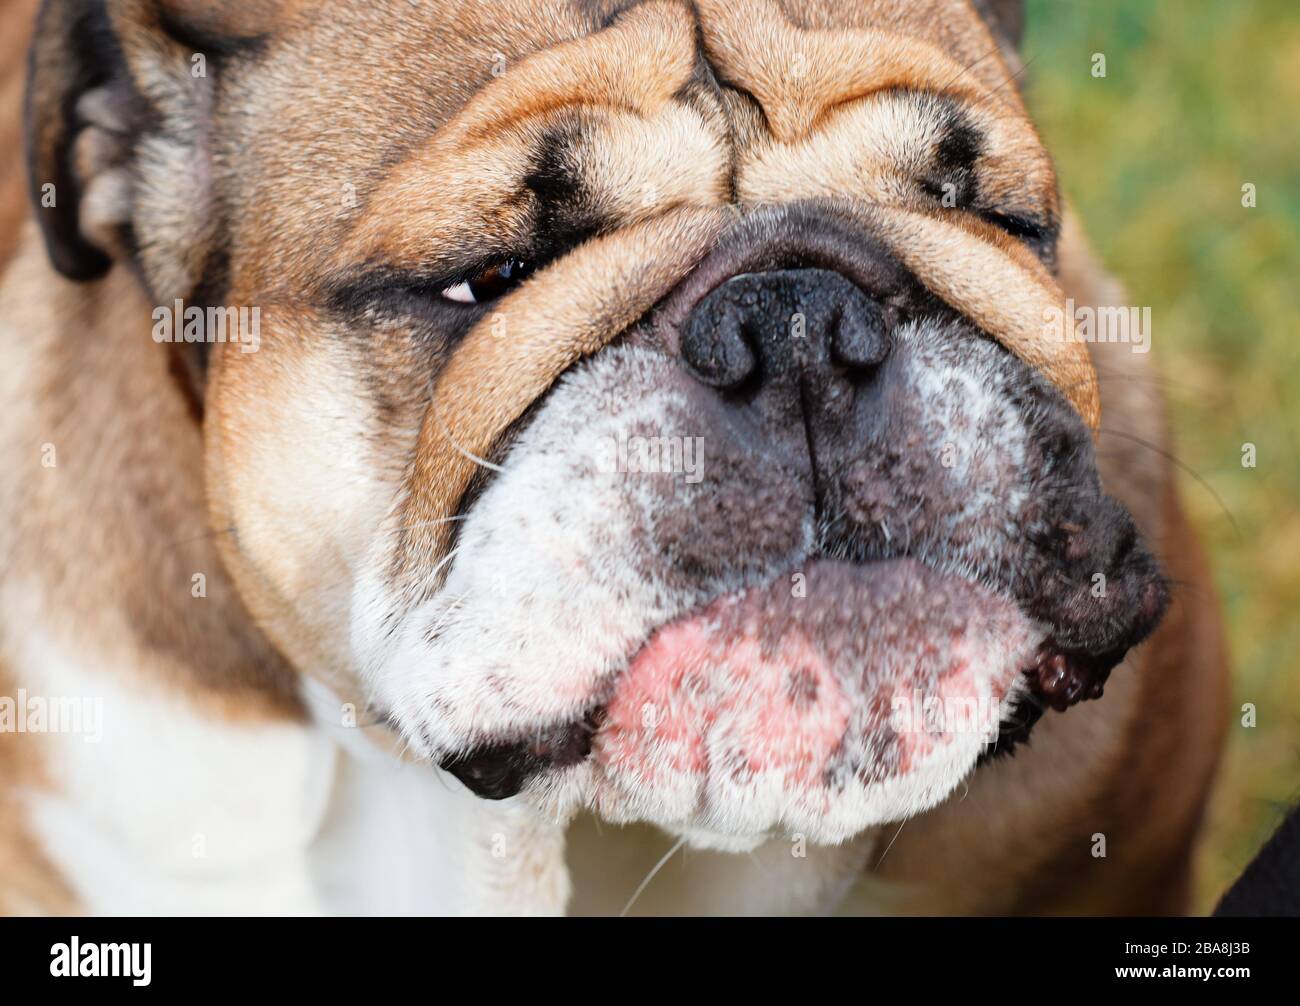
(632, 168)
(954, 26)
(481, 155)
(799, 75)
(637, 64)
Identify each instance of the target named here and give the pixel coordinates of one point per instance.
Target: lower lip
(813, 682)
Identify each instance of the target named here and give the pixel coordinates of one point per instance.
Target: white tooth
(461, 293)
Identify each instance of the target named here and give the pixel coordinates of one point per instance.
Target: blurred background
(1200, 98)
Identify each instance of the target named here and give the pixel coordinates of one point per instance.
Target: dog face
(651, 409)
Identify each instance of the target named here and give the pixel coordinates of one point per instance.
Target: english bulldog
(460, 456)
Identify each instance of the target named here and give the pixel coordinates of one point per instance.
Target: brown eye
(490, 284)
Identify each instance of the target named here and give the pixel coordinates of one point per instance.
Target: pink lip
(791, 698)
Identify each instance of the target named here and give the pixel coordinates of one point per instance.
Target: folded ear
(73, 53)
(119, 112)
(1005, 18)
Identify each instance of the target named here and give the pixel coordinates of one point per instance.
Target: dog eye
(490, 284)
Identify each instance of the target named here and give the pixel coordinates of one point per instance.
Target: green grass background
(1199, 98)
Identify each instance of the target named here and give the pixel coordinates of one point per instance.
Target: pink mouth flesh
(845, 676)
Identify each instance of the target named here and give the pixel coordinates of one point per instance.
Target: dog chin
(819, 704)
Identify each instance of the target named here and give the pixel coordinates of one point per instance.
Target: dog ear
(1005, 18)
(73, 54)
(119, 110)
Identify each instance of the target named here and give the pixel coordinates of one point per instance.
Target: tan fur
(799, 74)
(15, 26)
(1007, 294)
(31, 884)
(102, 547)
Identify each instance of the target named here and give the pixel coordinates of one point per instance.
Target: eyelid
(460, 293)
(1017, 225)
(392, 290)
(491, 282)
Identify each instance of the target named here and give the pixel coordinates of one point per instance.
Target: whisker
(1172, 459)
(969, 67)
(1162, 382)
(436, 520)
(651, 876)
(442, 562)
(1191, 588)
(890, 845)
(1010, 80)
(481, 462)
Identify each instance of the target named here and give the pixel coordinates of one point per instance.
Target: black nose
(768, 326)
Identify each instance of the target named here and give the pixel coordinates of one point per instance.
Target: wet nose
(760, 328)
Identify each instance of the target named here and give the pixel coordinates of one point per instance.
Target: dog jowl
(892, 506)
(804, 257)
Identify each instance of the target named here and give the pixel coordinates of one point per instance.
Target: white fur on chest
(173, 811)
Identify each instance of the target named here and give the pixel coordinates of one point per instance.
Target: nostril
(859, 334)
(718, 350)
